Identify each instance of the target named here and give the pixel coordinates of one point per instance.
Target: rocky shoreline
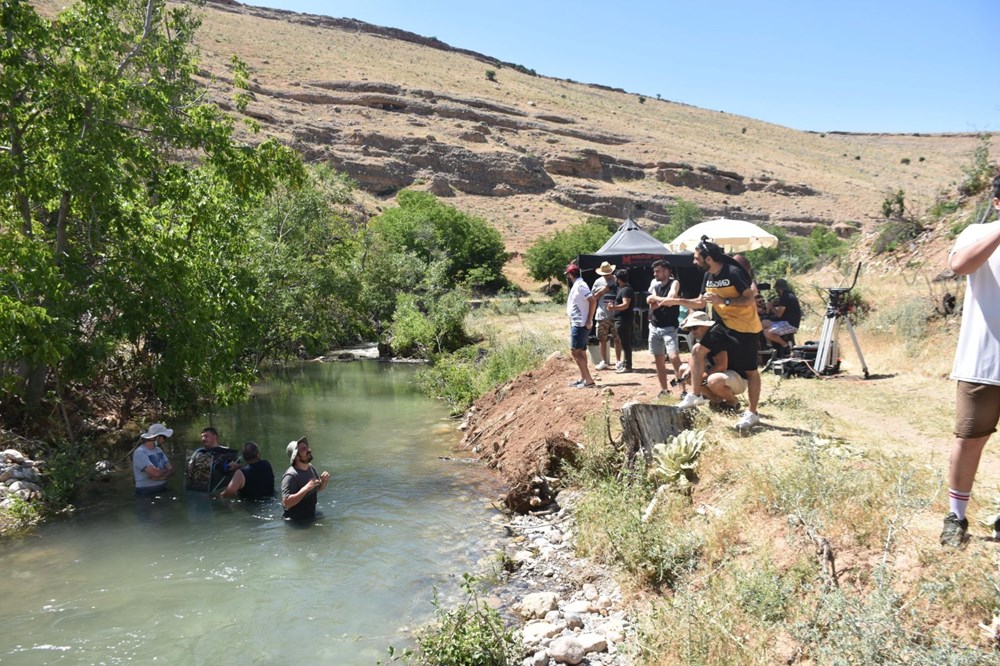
(571, 608)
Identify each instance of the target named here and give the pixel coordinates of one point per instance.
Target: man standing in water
(255, 480)
(150, 465)
(301, 483)
(976, 368)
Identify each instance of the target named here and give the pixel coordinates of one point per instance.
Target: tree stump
(644, 425)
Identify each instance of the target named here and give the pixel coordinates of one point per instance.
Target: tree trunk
(644, 425)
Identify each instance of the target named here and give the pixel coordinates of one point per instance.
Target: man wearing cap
(605, 294)
(253, 481)
(150, 465)
(664, 310)
(786, 315)
(301, 483)
(580, 308)
(722, 383)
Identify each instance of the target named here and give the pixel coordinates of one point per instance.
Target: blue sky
(861, 66)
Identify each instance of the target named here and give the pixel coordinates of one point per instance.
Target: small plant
(894, 205)
(642, 100)
(491, 75)
(905, 160)
(675, 461)
(473, 634)
(979, 172)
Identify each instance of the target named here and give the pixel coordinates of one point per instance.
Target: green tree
(547, 257)
(472, 251)
(683, 215)
(124, 200)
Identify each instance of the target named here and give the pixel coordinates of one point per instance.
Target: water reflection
(180, 577)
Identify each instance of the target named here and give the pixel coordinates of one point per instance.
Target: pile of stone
(571, 607)
(19, 477)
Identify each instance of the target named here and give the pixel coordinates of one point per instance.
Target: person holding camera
(976, 367)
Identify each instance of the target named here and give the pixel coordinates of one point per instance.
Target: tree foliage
(547, 257)
(683, 215)
(124, 200)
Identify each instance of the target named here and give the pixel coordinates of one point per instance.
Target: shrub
(683, 215)
(491, 75)
(908, 320)
(895, 232)
(473, 634)
(978, 172)
(547, 257)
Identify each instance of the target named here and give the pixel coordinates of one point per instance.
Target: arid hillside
(532, 153)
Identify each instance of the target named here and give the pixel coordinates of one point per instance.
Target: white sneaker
(691, 400)
(601, 366)
(748, 420)
(619, 365)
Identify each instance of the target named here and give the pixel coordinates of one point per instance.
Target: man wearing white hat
(301, 482)
(150, 465)
(605, 294)
(710, 374)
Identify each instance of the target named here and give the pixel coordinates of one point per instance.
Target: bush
(979, 172)
(473, 634)
(908, 320)
(683, 215)
(547, 257)
(491, 75)
(895, 232)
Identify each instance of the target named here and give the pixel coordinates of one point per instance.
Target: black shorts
(746, 357)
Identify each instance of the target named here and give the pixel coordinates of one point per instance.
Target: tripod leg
(857, 347)
(826, 352)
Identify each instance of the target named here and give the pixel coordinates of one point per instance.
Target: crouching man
(716, 382)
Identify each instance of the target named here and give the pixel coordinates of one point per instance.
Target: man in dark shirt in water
(253, 481)
(301, 483)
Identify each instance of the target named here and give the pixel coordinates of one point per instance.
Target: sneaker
(577, 384)
(691, 400)
(955, 531)
(601, 366)
(748, 420)
(623, 369)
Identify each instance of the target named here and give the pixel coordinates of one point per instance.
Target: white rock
(13, 455)
(573, 621)
(590, 591)
(523, 556)
(592, 643)
(537, 604)
(566, 650)
(24, 485)
(540, 658)
(603, 602)
(534, 632)
(578, 607)
(552, 616)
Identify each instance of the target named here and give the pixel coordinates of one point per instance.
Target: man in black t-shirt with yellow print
(728, 289)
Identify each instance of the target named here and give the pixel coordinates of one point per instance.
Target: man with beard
(301, 483)
(729, 290)
(664, 311)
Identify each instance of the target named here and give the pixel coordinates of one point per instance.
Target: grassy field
(729, 571)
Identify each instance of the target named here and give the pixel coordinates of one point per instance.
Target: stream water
(186, 579)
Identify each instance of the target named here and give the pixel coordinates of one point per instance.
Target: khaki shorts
(606, 329)
(977, 410)
(735, 383)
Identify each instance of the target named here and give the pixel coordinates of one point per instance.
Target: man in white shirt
(977, 366)
(580, 309)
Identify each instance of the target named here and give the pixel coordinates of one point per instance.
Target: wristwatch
(727, 301)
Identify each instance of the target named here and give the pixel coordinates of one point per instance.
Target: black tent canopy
(635, 250)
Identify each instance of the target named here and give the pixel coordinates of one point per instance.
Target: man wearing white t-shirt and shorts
(977, 366)
(580, 309)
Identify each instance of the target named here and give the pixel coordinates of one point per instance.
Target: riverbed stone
(590, 592)
(567, 650)
(537, 604)
(540, 658)
(580, 607)
(24, 485)
(534, 632)
(13, 455)
(574, 621)
(592, 643)
(7, 474)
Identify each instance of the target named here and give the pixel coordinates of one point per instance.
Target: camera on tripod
(837, 309)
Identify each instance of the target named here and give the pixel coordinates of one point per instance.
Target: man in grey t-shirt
(301, 483)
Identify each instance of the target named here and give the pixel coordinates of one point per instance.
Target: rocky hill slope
(532, 153)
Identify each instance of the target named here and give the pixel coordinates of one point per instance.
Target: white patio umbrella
(732, 235)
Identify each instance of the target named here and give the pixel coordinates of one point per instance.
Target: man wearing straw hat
(605, 294)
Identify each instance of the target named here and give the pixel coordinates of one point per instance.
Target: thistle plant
(675, 460)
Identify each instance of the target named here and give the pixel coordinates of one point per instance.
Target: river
(187, 579)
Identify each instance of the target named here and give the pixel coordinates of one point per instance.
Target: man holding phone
(301, 483)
